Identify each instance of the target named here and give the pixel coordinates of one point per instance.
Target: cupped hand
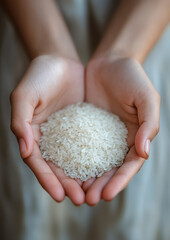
(121, 86)
(49, 84)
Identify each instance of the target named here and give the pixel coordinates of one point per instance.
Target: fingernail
(147, 147)
(22, 147)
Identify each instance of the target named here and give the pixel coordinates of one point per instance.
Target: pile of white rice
(83, 140)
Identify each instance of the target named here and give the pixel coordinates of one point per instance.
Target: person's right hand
(49, 84)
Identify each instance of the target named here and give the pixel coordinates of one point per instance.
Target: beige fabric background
(140, 212)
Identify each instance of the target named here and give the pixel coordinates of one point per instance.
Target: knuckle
(15, 94)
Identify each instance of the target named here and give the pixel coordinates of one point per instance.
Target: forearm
(135, 28)
(41, 27)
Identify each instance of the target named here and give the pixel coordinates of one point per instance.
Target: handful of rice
(83, 140)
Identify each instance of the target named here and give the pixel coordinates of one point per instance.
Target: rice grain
(83, 140)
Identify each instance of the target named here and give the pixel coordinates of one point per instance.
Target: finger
(124, 174)
(148, 115)
(21, 117)
(88, 183)
(79, 181)
(93, 195)
(45, 175)
(72, 189)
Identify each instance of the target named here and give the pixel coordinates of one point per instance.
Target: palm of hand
(52, 83)
(56, 88)
(116, 86)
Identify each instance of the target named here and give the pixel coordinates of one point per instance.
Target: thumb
(21, 118)
(148, 116)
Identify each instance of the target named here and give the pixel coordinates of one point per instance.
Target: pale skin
(114, 79)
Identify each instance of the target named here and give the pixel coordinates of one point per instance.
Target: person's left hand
(121, 86)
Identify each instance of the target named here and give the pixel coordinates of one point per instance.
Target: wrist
(55, 52)
(113, 55)
(55, 56)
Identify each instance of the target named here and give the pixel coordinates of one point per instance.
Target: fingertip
(59, 195)
(74, 191)
(108, 194)
(79, 200)
(52, 186)
(56, 192)
(114, 186)
(91, 204)
(147, 147)
(70, 186)
(140, 152)
(92, 198)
